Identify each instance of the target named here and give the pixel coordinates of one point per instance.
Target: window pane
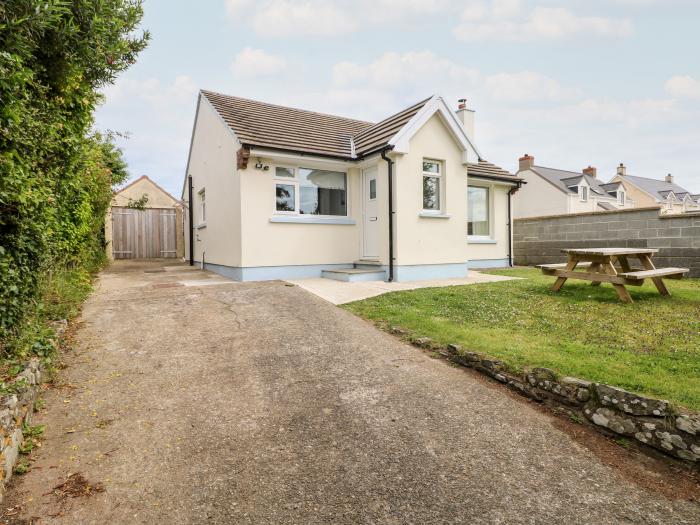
(285, 197)
(322, 192)
(431, 167)
(431, 193)
(478, 212)
(372, 188)
(284, 172)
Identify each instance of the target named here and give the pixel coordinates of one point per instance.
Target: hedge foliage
(56, 173)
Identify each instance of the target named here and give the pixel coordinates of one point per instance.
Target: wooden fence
(144, 234)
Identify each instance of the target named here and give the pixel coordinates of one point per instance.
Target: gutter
(190, 218)
(510, 223)
(390, 167)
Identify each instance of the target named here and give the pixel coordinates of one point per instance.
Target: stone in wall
(16, 410)
(652, 422)
(609, 396)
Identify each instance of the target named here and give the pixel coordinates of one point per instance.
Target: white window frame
(621, 197)
(202, 206)
(289, 181)
(583, 193)
(294, 181)
(490, 204)
(441, 182)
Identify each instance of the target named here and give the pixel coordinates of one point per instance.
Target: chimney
(526, 162)
(466, 116)
(669, 178)
(621, 170)
(590, 170)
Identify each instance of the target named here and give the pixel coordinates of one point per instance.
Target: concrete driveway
(196, 400)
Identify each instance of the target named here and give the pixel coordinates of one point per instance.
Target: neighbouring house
(275, 192)
(551, 191)
(657, 192)
(144, 222)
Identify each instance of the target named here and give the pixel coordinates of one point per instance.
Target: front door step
(355, 274)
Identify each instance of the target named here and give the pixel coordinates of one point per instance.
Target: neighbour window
(310, 191)
(432, 174)
(583, 193)
(621, 197)
(202, 206)
(478, 212)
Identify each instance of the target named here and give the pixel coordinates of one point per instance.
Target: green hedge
(56, 173)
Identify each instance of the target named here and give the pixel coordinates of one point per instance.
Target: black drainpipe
(510, 225)
(390, 166)
(191, 220)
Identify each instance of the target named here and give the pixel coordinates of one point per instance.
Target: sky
(573, 83)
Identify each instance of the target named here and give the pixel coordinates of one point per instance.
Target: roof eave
(400, 141)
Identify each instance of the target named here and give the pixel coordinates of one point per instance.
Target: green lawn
(651, 347)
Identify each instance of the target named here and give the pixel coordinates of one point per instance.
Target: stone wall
(16, 409)
(539, 240)
(652, 422)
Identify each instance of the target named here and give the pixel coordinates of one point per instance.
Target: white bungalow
(277, 193)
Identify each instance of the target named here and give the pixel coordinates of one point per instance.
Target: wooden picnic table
(612, 265)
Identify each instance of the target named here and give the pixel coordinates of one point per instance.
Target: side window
(432, 180)
(202, 206)
(478, 212)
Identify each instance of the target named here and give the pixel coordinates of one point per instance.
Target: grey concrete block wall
(539, 240)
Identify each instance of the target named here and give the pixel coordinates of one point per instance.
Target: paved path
(341, 292)
(261, 403)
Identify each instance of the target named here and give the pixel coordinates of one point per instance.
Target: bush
(56, 174)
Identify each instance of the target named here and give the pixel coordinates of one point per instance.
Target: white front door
(370, 239)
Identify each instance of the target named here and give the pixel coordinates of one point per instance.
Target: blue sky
(572, 83)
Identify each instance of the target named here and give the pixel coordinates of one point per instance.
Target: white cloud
(506, 8)
(236, 8)
(289, 18)
(412, 70)
(505, 20)
(422, 73)
(158, 118)
(151, 90)
(252, 63)
(526, 86)
(683, 87)
(480, 19)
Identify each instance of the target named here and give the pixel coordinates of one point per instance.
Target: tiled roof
(269, 125)
(279, 127)
(490, 171)
(376, 136)
(657, 188)
(563, 179)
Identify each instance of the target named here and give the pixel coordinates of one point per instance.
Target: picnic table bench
(612, 265)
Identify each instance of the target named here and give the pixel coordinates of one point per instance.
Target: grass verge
(62, 294)
(651, 346)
